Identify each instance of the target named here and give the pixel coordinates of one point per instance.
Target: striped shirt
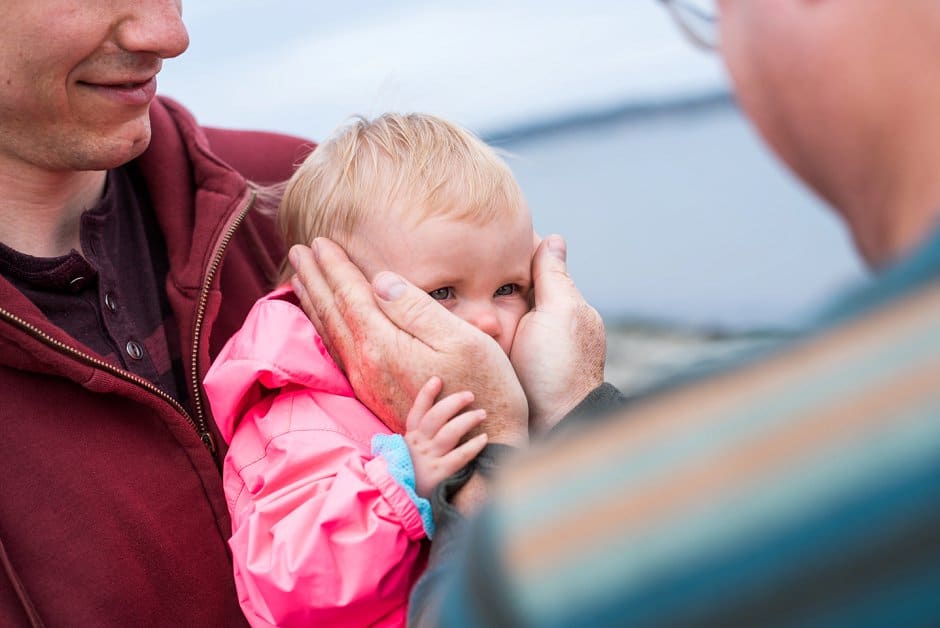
(799, 489)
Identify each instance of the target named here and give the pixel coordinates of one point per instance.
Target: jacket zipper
(200, 420)
(37, 333)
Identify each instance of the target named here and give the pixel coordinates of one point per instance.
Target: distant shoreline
(652, 107)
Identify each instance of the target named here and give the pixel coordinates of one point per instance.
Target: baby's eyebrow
(435, 283)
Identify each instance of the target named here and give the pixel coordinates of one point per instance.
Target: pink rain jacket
(322, 535)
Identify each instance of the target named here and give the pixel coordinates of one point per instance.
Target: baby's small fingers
(450, 434)
(424, 401)
(461, 456)
(435, 418)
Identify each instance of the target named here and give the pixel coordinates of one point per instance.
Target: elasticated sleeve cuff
(394, 450)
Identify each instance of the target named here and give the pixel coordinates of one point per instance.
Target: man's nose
(155, 27)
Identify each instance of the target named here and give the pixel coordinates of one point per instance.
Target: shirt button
(135, 350)
(109, 301)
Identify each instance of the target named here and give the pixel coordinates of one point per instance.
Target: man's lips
(128, 92)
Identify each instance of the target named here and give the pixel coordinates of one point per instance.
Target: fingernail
(293, 257)
(556, 246)
(298, 287)
(388, 286)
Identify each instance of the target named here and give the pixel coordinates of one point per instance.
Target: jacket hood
(276, 349)
(179, 152)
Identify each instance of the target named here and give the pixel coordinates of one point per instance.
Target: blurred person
(329, 505)
(801, 487)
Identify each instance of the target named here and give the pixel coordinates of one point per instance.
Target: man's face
(480, 272)
(791, 65)
(77, 78)
(765, 68)
(816, 77)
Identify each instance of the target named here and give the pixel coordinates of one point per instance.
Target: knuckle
(342, 298)
(411, 311)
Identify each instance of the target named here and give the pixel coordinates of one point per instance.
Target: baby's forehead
(415, 211)
(430, 238)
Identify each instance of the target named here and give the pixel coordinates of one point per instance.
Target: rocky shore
(640, 354)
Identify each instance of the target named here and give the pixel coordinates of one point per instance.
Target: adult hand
(391, 337)
(560, 346)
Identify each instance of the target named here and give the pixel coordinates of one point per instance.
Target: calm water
(679, 218)
(684, 217)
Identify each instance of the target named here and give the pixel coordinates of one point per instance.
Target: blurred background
(682, 229)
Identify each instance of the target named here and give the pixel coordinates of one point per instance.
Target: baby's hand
(434, 431)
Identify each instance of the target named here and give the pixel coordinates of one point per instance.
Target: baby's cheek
(513, 316)
(519, 308)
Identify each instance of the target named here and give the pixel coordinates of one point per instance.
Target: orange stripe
(708, 402)
(636, 509)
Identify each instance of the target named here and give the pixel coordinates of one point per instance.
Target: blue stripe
(834, 383)
(804, 394)
(803, 520)
(910, 599)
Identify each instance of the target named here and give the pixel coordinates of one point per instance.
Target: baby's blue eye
(442, 294)
(505, 291)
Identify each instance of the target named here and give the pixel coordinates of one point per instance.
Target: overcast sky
(686, 217)
(304, 67)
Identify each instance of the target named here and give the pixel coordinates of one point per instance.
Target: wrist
(463, 492)
(545, 416)
(518, 440)
(507, 425)
(516, 435)
(469, 497)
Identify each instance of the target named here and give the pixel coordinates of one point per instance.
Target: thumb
(413, 311)
(550, 273)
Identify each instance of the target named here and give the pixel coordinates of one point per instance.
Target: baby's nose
(484, 318)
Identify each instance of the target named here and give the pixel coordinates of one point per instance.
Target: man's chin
(113, 152)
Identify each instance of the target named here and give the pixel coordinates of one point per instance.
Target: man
(803, 488)
(129, 252)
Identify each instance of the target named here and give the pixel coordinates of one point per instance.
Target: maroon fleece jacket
(111, 507)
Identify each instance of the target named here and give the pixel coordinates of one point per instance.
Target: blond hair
(425, 164)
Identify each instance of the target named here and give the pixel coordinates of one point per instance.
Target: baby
(330, 517)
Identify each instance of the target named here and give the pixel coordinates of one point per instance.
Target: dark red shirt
(111, 296)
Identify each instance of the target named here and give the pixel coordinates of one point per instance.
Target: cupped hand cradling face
(560, 346)
(390, 338)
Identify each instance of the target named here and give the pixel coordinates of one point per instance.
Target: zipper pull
(208, 441)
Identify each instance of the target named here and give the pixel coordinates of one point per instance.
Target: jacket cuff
(394, 450)
(449, 521)
(599, 402)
